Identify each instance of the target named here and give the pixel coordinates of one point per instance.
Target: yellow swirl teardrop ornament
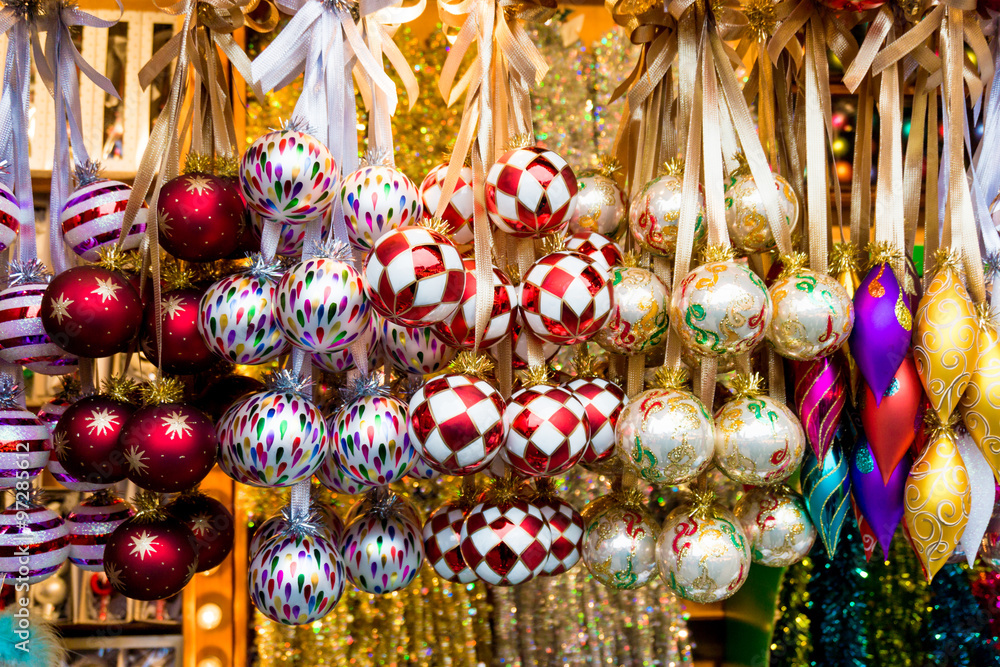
(980, 404)
(937, 502)
(944, 346)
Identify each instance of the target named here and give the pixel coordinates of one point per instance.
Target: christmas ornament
(150, 556)
(853, 5)
(34, 542)
(879, 497)
(383, 549)
(566, 526)
(820, 395)
(655, 213)
(23, 340)
(813, 314)
(49, 414)
(721, 308)
(370, 500)
(565, 298)
(25, 441)
(458, 213)
(457, 423)
(638, 319)
(703, 552)
(325, 518)
(9, 212)
(530, 192)
(85, 439)
(90, 524)
(982, 492)
(415, 350)
(776, 524)
(665, 434)
(601, 249)
(844, 265)
(238, 319)
(547, 428)
(342, 360)
(443, 538)
(619, 540)
(938, 495)
(291, 237)
(370, 435)
(603, 401)
(868, 538)
(746, 217)
(210, 522)
(519, 345)
(376, 199)
(600, 203)
(91, 311)
(91, 218)
(332, 475)
(826, 485)
(320, 303)
(219, 396)
(201, 216)
(422, 471)
(980, 404)
(945, 341)
(891, 426)
(758, 440)
(415, 277)
(505, 539)
(288, 176)
(297, 577)
(274, 438)
(883, 326)
(183, 351)
(169, 446)
(459, 330)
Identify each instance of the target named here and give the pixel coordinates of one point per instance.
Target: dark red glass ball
(150, 559)
(183, 351)
(86, 439)
(169, 447)
(201, 217)
(210, 522)
(221, 394)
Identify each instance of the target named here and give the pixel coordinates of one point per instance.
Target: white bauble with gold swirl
(638, 319)
(813, 314)
(758, 441)
(746, 217)
(619, 540)
(655, 214)
(777, 525)
(600, 206)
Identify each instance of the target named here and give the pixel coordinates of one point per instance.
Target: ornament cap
(176, 277)
(227, 166)
(332, 248)
(523, 140)
(762, 17)
(671, 379)
(584, 363)
(87, 172)
(843, 258)
(742, 166)
(553, 242)
(537, 375)
(631, 259)
(746, 385)
(161, 390)
(937, 429)
(199, 163)
(717, 253)
(948, 258)
(263, 268)
(115, 259)
(468, 363)
(608, 166)
(883, 252)
(438, 225)
(703, 505)
(10, 392)
(287, 381)
(31, 272)
(298, 124)
(120, 388)
(505, 490)
(365, 385)
(302, 524)
(103, 497)
(377, 157)
(792, 263)
(69, 387)
(673, 167)
(147, 507)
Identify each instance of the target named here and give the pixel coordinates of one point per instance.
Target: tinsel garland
(899, 596)
(837, 603)
(955, 627)
(986, 588)
(792, 638)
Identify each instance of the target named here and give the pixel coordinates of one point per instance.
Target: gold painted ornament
(980, 404)
(655, 213)
(945, 347)
(777, 525)
(600, 202)
(937, 500)
(813, 314)
(749, 228)
(758, 440)
(638, 319)
(619, 540)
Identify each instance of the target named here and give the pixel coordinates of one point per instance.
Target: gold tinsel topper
(671, 379)
(536, 375)
(746, 385)
(199, 163)
(438, 225)
(791, 264)
(717, 253)
(468, 363)
(843, 258)
(161, 390)
(120, 388)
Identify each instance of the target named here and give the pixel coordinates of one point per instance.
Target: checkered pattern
(92, 218)
(566, 298)
(530, 192)
(566, 527)
(415, 277)
(457, 423)
(597, 247)
(519, 344)
(23, 340)
(547, 430)
(9, 212)
(603, 401)
(458, 212)
(505, 545)
(442, 544)
(459, 330)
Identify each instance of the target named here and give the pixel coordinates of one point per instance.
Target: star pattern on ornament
(142, 545)
(171, 306)
(136, 459)
(176, 424)
(201, 524)
(106, 289)
(60, 308)
(101, 421)
(166, 222)
(192, 570)
(59, 442)
(114, 575)
(199, 185)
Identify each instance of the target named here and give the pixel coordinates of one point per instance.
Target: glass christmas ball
(23, 339)
(86, 440)
(604, 401)
(547, 430)
(638, 320)
(758, 440)
(91, 218)
(776, 525)
(600, 206)
(210, 522)
(371, 438)
(183, 350)
(530, 192)
(291, 238)
(332, 475)
(458, 214)
(90, 524)
(655, 215)
(459, 330)
(25, 444)
(329, 521)
(443, 540)
(566, 526)
(619, 541)
(342, 360)
(565, 298)
(201, 217)
(150, 557)
(812, 315)
(9, 218)
(746, 217)
(382, 550)
(601, 249)
(34, 543)
(169, 447)
(505, 541)
(376, 199)
(415, 350)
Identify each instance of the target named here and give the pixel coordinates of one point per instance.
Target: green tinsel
(956, 630)
(791, 641)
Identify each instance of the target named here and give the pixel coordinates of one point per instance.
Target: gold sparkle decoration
(792, 263)
(672, 378)
(553, 243)
(980, 404)
(469, 363)
(162, 390)
(175, 276)
(519, 141)
(437, 225)
(762, 16)
(226, 166)
(717, 253)
(113, 259)
(674, 167)
(746, 385)
(120, 388)
(609, 166)
(536, 375)
(200, 163)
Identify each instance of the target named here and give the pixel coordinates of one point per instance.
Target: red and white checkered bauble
(459, 330)
(519, 344)
(566, 298)
(415, 350)
(600, 248)
(530, 192)
(442, 544)
(23, 340)
(458, 212)
(376, 199)
(603, 400)
(547, 430)
(457, 423)
(415, 277)
(9, 223)
(92, 218)
(342, 360)
(566, 526)
(505, 544)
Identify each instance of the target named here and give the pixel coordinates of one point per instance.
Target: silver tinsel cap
(309, 523)
(87, 173)
(365, 385)
(332, 248)
(32, 272)
(10, 392)
(288, 381)
(298, 124)
(263, 268)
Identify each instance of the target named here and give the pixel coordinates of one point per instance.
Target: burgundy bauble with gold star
(86, 439)
(184, 351)
(210, 522)
(201, 217)
(169, 447)
(91, 311)
(150, 558)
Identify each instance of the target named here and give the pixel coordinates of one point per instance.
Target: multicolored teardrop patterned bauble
(415, 350)
(296, 579)
(382, 554)
(342, 360)
(238, 321)
(371, 438)
(320, 304)
(34, 543)
(331, 474)
(89, 525)
(377, 199)
(820, 395)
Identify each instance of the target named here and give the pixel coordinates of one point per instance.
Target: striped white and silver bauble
(92, 218)
(38, 536)
(25, 445)
(9, 223)
(23, 340)
(89, 525)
